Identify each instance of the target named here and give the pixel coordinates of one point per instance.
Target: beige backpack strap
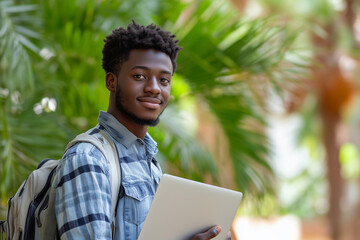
(115, 172)
(106, 145)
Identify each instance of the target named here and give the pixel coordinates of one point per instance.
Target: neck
(136, 129)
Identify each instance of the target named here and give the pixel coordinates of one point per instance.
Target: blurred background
(264, 101)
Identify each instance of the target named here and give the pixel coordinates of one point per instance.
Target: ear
(111, 81)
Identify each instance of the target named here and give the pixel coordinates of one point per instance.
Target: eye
(164, 80)
(139, 76)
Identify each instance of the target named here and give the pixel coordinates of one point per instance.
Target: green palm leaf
(27, 139)
(228, 63)
(178, 148)
(223, 57)
(16, 34)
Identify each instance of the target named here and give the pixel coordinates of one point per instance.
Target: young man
(139, 62)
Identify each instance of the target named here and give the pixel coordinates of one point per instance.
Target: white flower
(46, 105)
(4, 92)
(15, 97)
(52, 104)
(46, 54)
(38, 108)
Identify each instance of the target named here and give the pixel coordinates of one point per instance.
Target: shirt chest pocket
(137, 200)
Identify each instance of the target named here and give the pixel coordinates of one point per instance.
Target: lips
(150, 102)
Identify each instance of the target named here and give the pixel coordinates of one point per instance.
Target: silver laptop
(182, 208)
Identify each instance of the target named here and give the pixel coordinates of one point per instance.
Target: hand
(209, 234)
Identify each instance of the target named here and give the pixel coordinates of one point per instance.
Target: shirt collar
(151, 144)
(121, 134)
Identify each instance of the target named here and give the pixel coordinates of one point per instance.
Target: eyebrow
(146, 68)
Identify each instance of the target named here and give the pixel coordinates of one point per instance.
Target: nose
(153, 86)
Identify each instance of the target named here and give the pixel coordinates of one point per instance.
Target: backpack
(31, 212)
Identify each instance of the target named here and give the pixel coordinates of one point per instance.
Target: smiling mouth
(150, 102)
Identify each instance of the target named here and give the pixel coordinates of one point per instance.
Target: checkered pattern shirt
(83, 190)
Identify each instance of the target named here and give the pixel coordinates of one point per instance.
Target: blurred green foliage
(52, 49)
(350, 161)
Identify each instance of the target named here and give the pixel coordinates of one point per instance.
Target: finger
(209, 234)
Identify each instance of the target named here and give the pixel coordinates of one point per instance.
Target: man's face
(143, 86)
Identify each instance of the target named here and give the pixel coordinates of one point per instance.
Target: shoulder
(84, 148)
(83, 156)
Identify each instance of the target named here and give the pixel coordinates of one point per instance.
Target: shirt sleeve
(83, 194)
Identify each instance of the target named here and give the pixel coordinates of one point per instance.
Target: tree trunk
(331, 124)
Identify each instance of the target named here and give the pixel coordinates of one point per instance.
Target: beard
(123, 110)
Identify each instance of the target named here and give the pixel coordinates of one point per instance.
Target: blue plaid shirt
(83, 190)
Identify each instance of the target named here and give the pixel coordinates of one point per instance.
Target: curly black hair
(118, 45)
